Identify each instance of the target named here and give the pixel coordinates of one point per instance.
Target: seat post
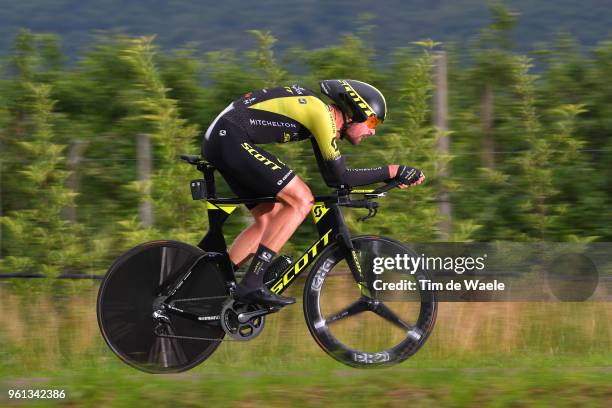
(209, 179)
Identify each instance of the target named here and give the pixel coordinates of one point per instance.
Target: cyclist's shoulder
(286, 91)
(292, 101)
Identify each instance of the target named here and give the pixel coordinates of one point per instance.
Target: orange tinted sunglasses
(372, 121)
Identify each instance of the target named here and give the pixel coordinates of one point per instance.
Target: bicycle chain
(174, 336)
(200, 298)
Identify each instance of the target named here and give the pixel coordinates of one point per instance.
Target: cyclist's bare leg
(274, 222)
(297, 201)
(245, 244)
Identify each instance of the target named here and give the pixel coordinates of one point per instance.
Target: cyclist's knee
(306, 204)
(298, 196)
(303, 204)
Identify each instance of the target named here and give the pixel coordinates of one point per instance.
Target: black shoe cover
(261, 296)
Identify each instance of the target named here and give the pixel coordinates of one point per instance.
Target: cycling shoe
(261, 296)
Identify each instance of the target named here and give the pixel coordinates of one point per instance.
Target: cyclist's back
(281, 114)
(273, 115)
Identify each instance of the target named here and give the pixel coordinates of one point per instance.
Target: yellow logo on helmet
(357, 98)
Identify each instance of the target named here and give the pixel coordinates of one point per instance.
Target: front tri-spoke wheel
(367, 328)
(132, 321)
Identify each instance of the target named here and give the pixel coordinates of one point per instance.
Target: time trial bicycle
(165, 306)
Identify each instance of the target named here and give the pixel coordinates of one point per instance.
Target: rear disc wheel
(129, 295)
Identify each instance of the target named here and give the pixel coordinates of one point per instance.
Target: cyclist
(281, 115)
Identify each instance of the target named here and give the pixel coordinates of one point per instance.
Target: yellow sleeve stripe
(312, 113)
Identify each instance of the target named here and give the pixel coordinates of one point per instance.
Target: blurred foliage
(171, 135)
(37, 235)
(553, 153)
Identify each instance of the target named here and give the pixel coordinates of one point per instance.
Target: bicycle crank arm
(246, 316)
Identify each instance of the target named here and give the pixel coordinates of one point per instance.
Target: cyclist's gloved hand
(408, 175)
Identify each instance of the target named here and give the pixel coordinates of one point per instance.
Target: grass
(321, 383)
(491, 354)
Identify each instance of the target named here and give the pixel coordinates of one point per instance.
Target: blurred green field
(494, 354)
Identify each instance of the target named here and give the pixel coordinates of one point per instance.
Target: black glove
(408, 175)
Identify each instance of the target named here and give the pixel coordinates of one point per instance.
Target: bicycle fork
(351, 255)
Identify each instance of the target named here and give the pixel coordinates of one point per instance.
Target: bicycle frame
(325, 213)
(327, 217)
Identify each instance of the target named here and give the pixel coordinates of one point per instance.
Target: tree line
(529, 154)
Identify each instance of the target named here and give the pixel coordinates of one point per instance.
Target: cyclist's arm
(335, 172)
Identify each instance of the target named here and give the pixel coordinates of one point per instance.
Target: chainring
(236, 330)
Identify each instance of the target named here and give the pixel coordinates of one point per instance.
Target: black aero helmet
(357, 100)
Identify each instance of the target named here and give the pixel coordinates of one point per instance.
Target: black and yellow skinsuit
(277, 115)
